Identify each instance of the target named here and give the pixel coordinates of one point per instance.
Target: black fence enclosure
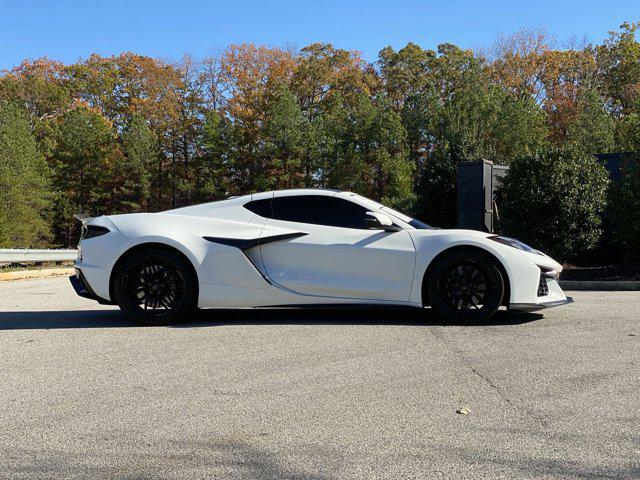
(477, 202)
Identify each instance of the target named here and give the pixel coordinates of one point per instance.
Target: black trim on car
(247, 243)
(91, 231)
(244, 244)
(532, 307)
(83, 289)
(546, 274)
(543, 288)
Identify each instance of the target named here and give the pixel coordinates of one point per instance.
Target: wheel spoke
(467, 288)
(153, 286)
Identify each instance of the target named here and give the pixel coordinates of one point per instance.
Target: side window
(260, 207)
(319, 210)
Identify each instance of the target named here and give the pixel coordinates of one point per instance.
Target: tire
(465, 286)
(155, 287)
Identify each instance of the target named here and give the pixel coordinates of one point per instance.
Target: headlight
(512, 242)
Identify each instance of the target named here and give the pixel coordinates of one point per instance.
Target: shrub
(437, 192)
(553, 200)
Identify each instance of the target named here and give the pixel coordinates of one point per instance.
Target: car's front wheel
(465, 286)
(154, 287)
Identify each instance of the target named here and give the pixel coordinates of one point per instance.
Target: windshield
(417, 224)
(373, 205)
(405, 218)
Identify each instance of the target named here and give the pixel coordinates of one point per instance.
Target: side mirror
(380, 221)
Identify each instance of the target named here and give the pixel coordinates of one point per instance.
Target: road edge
(576, 285)
(600, 285)
(34, 274)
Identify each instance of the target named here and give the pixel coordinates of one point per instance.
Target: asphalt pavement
(329, 394)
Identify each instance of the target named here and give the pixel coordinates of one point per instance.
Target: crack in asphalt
(460, 355)
(463, 359)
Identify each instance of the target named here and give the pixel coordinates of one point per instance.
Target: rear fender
(218, 263)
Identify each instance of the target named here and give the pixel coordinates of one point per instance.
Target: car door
(339, 256)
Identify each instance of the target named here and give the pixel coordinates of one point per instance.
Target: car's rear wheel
(155, 287)
(465, 286)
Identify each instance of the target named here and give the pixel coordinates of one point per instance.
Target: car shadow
(112, 318)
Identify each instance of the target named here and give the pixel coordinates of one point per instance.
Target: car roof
(290, 192)
(242, 199)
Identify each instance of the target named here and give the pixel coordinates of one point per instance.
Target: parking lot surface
(330, 394)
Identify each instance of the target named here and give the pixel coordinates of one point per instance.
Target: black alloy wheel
(155, 287)
(466, 286)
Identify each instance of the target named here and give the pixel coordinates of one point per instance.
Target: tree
(24, 183)
(83, 169)
(255, 75)
(133, 173)
(365, 150)
(41, 88)
(464, 117)
(592, 129)
(554, 199)
(618, 60)
(627, 134)
(283, 143)
(405, 73)
(216, 173)
(322, 72)
(120, 87)
(518, 62)
(573, 105)
(387, 146)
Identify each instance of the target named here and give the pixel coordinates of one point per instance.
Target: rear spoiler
(83, 217)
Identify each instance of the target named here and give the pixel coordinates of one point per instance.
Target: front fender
(522, 268)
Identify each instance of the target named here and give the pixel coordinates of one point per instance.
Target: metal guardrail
(10, 255)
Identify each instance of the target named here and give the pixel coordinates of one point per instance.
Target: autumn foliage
(129, 132)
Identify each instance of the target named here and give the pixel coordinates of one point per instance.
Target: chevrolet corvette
(304, 247)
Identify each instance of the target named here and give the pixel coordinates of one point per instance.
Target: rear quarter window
(260, 207)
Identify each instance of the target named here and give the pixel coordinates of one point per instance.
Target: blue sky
(67, 30)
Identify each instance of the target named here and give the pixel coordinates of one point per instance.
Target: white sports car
(304, 247)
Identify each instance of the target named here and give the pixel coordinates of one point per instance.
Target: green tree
(366, 150)
(618, 60)
(24, 183)
(554, 200)
(464, 117)
(405, 73)
(628, 133)
(83, 169)
(216, 172)
(392, 167)
(342, 166)
(593, 129)
(140, 149)
(284, 149)
(420, 116)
